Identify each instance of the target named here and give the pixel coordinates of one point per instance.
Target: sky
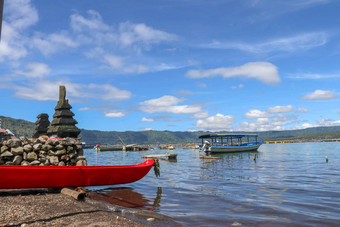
(177, 65)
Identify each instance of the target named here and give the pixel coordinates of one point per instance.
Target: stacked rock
(41, 151)
(42, 125)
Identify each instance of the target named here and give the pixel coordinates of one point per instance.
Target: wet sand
(42, 208)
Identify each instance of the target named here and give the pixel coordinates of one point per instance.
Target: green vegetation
(26, 128)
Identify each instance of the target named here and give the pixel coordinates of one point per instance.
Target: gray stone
(25, 163)
(3, 149)
(51, 153)
(59, 147)
(60, 152)
(17, 160)
(28, 148)
(46, 147)
(37, 147)
(14, 143)
(81, 158)
(42, 154)
(35, 163)
(81, 163)
(61, 163)
(31, 157)
(17, 150)
(6, 154)
(54, 160)
(9, 163)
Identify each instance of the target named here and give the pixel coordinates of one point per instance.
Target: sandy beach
(43, 208)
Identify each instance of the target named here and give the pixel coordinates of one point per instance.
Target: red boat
(19, 177)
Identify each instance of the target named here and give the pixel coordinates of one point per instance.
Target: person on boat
(206, 146)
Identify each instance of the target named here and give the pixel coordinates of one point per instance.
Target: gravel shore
(40, 208)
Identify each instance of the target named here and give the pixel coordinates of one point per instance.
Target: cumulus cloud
(168, 104)
(144, 119)
(114, 114)
(260, 124)
(320, 95)
(263, 71)
(18, 16)
(280, 109)
(257, 114)
(219, 122)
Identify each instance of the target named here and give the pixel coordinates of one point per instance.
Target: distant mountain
(17, 126)
(26, 128)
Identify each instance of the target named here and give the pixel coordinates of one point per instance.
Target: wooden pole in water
(255, 157)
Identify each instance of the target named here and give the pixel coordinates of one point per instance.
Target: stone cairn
(62, 149)
(63, 124)
(42, 125)
(42, 151)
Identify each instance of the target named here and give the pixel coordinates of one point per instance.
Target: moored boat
(20, 177)
(227, 142)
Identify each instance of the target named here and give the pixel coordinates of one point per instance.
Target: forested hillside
(26, 128)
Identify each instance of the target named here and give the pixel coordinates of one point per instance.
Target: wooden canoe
(20, 177)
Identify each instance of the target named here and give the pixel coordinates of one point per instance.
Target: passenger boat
(225, 143)
(21, 177)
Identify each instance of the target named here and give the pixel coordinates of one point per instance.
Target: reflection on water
(126, 197)
(288, 184)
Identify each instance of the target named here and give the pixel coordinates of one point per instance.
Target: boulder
(4, 148)
(35, 163)
(6, 154)
(17, 160)
(28, 148)
(54, 160)
(31, 157)
(17, 150)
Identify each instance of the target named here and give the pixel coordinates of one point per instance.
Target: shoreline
(39, 207)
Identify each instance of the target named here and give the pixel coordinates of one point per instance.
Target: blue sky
(178, 65)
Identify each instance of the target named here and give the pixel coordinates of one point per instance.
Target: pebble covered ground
(54, 209)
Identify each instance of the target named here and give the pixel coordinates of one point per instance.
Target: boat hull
(20, 177)
(231, 149)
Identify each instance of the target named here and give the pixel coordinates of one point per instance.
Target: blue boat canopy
(225, 135)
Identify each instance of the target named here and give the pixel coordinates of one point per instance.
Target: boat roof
(234, 135)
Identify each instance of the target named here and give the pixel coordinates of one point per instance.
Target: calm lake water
(288, 185)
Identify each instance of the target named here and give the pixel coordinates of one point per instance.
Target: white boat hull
(230, 149)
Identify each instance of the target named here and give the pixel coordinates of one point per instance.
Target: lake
(288, 184)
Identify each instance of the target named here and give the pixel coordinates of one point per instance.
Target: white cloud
(320, 95)
(261, 124)
(280, 109)
(257, 114)
(114, 114)
(165, 100)
(302, 110)
(219, 122)
(168, 104)
(303, 41)
(36, 69)
(93, 23)
(114, 62)
(313, 76)
(20, 14)
(44, 90)
(53, 43)
(144, 119)
(130, 34)
(262, 71)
